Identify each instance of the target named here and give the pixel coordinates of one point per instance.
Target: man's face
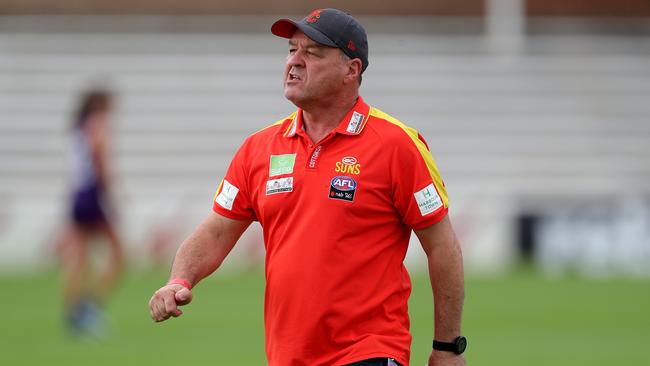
(313, 73)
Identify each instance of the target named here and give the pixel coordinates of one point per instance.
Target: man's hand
(165, 302)
(442, 358)
(199, 255)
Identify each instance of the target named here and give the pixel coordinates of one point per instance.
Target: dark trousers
(372, 362)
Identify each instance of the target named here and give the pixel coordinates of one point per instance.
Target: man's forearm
(204, 250)
(447, 282)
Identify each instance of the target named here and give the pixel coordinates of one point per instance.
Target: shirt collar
(352, 123)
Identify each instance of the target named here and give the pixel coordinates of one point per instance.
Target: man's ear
(353, 74)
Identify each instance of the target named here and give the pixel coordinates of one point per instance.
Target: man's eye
(292, 51)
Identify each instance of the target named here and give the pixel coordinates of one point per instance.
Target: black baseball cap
(329, 27)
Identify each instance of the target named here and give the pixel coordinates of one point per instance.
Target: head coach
(337, 186)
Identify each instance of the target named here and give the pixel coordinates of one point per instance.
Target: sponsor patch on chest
(343, 188)
(282, 185)
(281, 164)
(428, 200)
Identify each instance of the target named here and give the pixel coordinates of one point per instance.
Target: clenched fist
(165, 302)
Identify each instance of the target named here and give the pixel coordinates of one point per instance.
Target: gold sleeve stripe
(218, 190)
(422, 148)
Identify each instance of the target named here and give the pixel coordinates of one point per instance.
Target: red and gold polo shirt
(337, 216)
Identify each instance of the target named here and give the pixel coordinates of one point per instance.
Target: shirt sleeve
(419, 192)
(233, 196)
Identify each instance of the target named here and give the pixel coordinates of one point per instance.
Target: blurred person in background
(90, 217)
(338, 187)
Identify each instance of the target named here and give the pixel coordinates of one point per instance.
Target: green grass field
(519, 319)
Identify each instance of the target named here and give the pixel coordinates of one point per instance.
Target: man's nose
(295, 59)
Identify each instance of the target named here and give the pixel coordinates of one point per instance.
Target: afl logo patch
(343, 188)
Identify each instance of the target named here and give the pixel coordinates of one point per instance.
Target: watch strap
(457, 346)
(444, 346)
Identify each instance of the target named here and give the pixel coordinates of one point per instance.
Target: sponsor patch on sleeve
(428, 200)
(281, 185)
(227, 196)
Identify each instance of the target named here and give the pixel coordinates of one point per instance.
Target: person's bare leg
(112, 271)
(75, 260)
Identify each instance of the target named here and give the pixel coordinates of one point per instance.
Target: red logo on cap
(314, 16)
(352, 46)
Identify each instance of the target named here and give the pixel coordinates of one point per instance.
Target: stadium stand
(561, 118)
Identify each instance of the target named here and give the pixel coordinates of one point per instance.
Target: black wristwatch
(457, 346)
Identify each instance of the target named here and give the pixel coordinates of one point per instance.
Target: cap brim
(285, 28)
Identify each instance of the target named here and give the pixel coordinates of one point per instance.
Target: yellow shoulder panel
(422, 148)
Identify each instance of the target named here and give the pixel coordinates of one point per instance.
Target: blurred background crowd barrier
(537, 112)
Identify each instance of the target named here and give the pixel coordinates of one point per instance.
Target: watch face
(461, 344)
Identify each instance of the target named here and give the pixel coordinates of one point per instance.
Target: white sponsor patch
(281, 185)
(355, 122)
(227, 196)
(428, 200)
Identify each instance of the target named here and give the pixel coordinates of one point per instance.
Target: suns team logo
(348, 165)
(313, 17)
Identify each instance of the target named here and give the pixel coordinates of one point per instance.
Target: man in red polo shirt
(337, 186)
